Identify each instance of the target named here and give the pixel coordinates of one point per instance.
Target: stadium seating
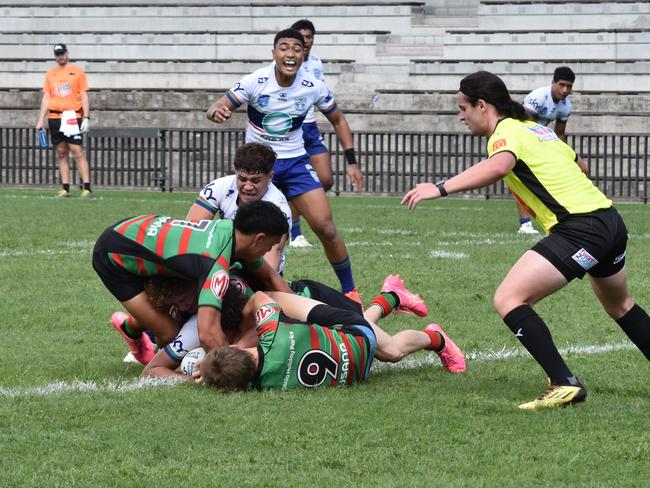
(166, 58)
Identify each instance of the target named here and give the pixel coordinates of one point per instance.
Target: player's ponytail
(488, 87)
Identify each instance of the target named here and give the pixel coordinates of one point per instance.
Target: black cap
(60, 48)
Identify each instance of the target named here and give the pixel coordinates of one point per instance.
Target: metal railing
(392, 162)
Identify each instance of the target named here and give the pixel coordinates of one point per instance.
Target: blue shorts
(295, 176)
(313, 139)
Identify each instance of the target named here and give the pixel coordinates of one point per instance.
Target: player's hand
(220, 114)
(196, 373)
(422, 191)
(356, 177)
(39, 125)
(85, 124)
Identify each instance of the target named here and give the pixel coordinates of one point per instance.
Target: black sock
(532, 332)
(87, 186)
(636, 324)
(66, 187)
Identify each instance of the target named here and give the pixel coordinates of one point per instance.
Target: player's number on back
(315, 367)
(201, 225)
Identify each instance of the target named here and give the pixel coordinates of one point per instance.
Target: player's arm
(344, 134)
(560, 129)
(221, 110)
(582, 165)
(43, 111)
(274, 256)
(479, 175)
(197, 212)
(269, 278)
(163, 365)
(210, 332)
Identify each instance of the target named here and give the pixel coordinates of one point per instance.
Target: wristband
(86, 117)
(441, 188)
(349, 156)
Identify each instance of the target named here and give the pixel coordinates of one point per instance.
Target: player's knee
(325, 230)
(616, 310)
(389, 353)
(503, 302)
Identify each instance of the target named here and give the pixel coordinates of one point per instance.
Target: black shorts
(323, 293)
(591, 243)
(57, 137)
(122, 284)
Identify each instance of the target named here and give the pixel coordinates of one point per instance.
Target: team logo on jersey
(263, 313)
(263, 100)
(219, 284)
(584, 259)
(300, 104)
(498, 144)
(277, 123)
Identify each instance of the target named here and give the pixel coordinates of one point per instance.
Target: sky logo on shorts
(584, 259)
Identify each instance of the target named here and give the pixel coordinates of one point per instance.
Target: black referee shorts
(591, 243)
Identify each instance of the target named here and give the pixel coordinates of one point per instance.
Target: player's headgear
(60, 48)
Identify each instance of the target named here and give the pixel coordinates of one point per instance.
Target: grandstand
(390, 63)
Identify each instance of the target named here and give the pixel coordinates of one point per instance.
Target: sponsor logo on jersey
(262, 79)
(318, 74)
(263, 100)
(542, 133)
(219, 284)
(584, 259)
(156, 224)
(277, 123)
(498, 144)
(237, 87)
(307, 83)
(300, 104)
(283, 96)
(263, 313)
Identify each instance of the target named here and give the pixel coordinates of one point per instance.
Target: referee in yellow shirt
(585, 233)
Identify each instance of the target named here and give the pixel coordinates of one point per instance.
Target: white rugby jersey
(314, 66)
(220, 196)
(276, 113)
(540, 104)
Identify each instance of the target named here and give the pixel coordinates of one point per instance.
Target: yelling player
(278, 98)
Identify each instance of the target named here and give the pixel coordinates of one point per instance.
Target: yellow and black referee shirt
(545, 180)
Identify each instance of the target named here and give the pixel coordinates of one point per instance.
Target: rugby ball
(190, 359)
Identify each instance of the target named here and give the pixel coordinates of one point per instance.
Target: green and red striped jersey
(166, 246)
(306, 355)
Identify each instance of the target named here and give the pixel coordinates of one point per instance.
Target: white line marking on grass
(413, 362)
(38, 252)
(448, 254)
(89, 386)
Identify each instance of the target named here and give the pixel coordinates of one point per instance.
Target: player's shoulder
(260, 76)
(538, 93)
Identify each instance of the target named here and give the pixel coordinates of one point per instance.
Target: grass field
(72, 414)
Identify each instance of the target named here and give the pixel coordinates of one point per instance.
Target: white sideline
(77, 386)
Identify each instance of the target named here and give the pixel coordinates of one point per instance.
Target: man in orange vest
(65, 102)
